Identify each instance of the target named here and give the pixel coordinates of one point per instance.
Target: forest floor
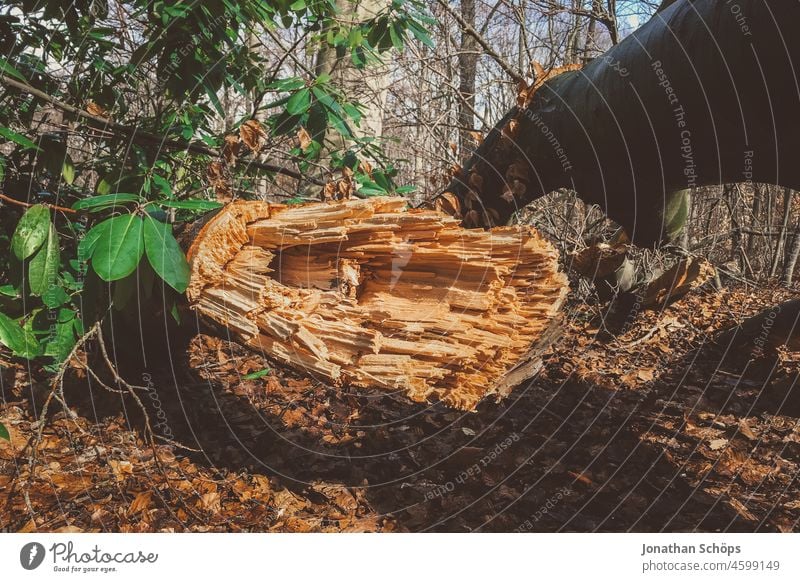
(651, 429)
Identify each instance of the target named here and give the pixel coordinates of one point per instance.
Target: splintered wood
(371, 294)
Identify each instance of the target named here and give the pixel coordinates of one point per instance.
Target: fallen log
(371, 294)
(706, 92)
(763, 333)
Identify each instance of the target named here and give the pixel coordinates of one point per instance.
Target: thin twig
(28, 204)
(57, 383)
(509, 69)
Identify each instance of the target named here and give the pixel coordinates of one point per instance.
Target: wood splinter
(372, 294)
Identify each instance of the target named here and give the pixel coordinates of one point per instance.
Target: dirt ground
(644, 427)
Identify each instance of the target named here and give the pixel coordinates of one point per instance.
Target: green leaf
(352, 112)
(105, 201)
(60, 343)
(11, 334)
(32, 348)
(256, 375)
(54, 297)
(4, 432)
(89, 240)
(396, 34)
(297, 200)
(212, 96)
(201, 205)
(7, 69)
(165, 255)
(290, 84)
(43, 268)
(17, 138)
(339, 124)
(119, 247)
(31, 231)
(103, 186)
(162, 184)
(420, 33)
(299, 102)
(381, 180)
(68, 171)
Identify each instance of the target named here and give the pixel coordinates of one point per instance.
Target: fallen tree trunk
(706, 92)
(765, 332)
(368, 293)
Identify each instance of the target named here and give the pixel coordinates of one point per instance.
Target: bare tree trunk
(791, 260)
(781, 243)
(367, 87)
(591, 31)
(572, 55)
(756, 211)
(467, 72)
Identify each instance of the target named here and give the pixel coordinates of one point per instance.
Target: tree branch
(28, 205)
(137, 134)
(509, 69)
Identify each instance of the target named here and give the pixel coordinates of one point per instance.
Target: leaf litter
(651, 429)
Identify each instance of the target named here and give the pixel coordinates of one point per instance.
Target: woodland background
(150, 113)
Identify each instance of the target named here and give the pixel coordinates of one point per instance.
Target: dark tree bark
(791, 260)
(690, 99)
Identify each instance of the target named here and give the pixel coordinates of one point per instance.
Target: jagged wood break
(369, 293)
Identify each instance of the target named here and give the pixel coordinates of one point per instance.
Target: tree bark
(467, 73)
(780, 244)
(368, 86)
(680, 103)
(764, 332)
(791, 259)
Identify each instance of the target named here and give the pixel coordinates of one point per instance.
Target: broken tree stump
(374, 295)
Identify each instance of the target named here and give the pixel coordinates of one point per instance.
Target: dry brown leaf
(304, 137)
(329, 191)
(526, 92)
(218, 181)
(746, 431)
(252, 134)
(646, 374)
(230, 151)
(215, 171)
(94, 109)
(120, 469)
(141, 502)
(448, 203)
(717, 444)
(210, 501)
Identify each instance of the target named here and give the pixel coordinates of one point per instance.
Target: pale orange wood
(372, 294)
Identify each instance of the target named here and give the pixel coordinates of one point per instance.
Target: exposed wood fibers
(371, 294)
